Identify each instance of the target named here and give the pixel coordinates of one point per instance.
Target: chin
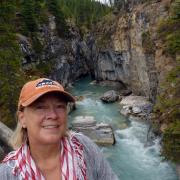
(52, 139)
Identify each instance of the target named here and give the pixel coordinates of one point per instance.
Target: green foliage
(54, 8)
(147, 42)
(107, 23)
(34, 13)
(168, 112)
(171, 142)
(84, 12)
(36, 44)
(42, 69)
(173, 42)
(169, 30)
(29, 16)
(104, 40)
(168, 102)
(176, 9)
(11, 76)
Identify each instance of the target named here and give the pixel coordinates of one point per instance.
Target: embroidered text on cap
(46, 82)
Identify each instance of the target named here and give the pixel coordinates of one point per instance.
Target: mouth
(51, 126)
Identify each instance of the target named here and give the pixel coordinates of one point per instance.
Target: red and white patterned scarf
(73, 166)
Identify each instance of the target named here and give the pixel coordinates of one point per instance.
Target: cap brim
(68, 97)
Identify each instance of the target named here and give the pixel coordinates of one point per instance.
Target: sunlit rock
(136, 107)
(100, 133)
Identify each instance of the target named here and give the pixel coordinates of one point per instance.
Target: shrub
(147, 43)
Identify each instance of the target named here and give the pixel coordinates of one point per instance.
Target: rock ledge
(100, 133)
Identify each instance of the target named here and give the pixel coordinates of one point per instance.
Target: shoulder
(6, 171)
(91, 150)
(88, 144)
(98, 167)
(84, 139)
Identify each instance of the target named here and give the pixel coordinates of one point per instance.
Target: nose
(51, 113)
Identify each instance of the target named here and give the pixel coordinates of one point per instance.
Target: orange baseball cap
(32, 90)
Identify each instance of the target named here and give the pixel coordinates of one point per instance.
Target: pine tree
(11, 76)
(29, 16)
(54, 8)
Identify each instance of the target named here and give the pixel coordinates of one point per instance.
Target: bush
(11, 75)
(171, 141)
(168, 112)
(147, 43)
(54, 8)
(169, 32)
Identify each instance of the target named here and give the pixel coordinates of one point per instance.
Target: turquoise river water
(129, 157)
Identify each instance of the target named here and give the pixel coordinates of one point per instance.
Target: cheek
(33, 123)
(63, 121)
(63, 117)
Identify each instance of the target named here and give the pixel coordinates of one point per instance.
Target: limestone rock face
(67, 56)
(112, 65)
(133, 54)
(100, 133)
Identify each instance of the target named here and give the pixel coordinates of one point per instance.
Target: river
(130, 158)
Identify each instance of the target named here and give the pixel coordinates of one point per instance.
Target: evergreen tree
(11, 76)
(84, 12)
(29, 16)
(54, 8)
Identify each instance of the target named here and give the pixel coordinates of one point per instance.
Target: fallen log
(5, 133)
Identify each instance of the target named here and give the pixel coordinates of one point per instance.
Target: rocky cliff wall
(66, 56)
(133, 54)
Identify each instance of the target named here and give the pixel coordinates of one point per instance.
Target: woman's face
(45, 119)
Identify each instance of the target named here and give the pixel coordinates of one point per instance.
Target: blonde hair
(18, 137)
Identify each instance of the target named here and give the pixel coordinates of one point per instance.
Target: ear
(21, 118)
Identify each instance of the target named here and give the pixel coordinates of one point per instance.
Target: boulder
(125, 110)
(110, 96)
(136, 107)
(100, 133)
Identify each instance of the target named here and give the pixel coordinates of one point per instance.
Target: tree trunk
(5, 133)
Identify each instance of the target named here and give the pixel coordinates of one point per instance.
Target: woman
(45, 149)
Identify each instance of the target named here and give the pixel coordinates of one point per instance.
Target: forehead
(52, 96)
